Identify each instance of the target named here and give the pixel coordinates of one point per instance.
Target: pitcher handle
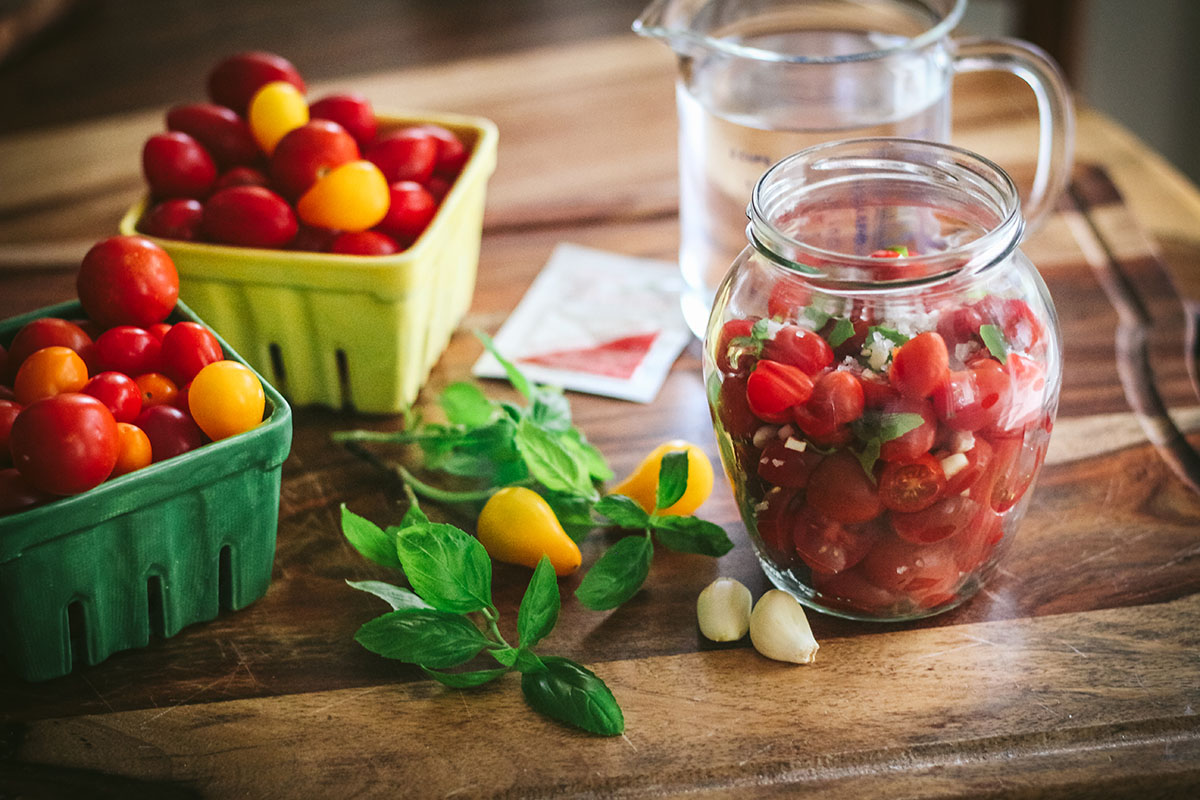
(1056, 112)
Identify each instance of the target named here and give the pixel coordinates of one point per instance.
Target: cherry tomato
(177, 218)
(352, 197)
(1015, 463)
(159, 330)
(974, 544)
(410, 209)
(127, 280)
(49, 371)
(773, 389)
(65, 444)
(945, 518)
(787, 297)
(352, 111)
(45, 332)
(223, 133)
(959, 325)
(18, 494)
(156, 389)
(782, 464)
(773, 523)
(860, 322)
(170, 430)
(977, 463)
(451, 152)
(1026, 384)
(877, 391)
(409, 154)
(187, 348)
(306, 153)
(1022, 330)
(235, 79)
(830, 547)
(275, 109)
(226, 398)
(734, 353)
(852, 590)
(8, 412)
(801, 348)
(135, 451)
(919, 365)
(733, 410)
(840, 489)
(176, 165)
(120, 395)
(250, 216)
(913, 444)
(241, 176)
(837, 400)
(312, 240)
(926, 574)
(439, 187)
(971, 399)
(365, 243)
(128, 349)
(913, 485)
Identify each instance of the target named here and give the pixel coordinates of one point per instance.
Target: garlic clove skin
(723, 610)
(779, 629)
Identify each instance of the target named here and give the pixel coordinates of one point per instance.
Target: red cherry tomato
(782, 464)
(410, 209)
(773, 523)
(840, 489)
(226, 398)
(975, 544)
(439, 187)
(1026, 385)
(830, 547)
(65, 444)
(1015, 462)
(919, 365)
(311, 239)
(8, 412)
(236, 79)
(250, 216)
(916, 442)
(306, 153)
(945, 518)
(171, 431)
(852, 590)
(409, 154)
(959, 325)
(877, 391)
(127, 280)
(187, 348)
(773, 389)
(118, 392)
(451, 152)
(364, 243)
(735, 354)
(913, 485)
(176, 165)
(733, 409)
(18, 494)
(801, 348)
(45, 332)
(156, 389)
(241, 176)
(128, 349)
(837, 400)
(49, 371)
(352, 111)
(159, 330)
(927, 574)
(971, 399)
(978, 461)
(177, 218)
(135, 451)
(787, 297)
(220, 130)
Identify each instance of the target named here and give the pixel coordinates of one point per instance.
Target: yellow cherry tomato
(517, 526)
(135, 450)
(642, 483)
(351, 197)
(277, 108)
(226, 398)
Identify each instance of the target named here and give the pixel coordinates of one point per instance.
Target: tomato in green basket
(49, 371)
(351, 197)
(127, 280)
(226, 398)
(65, 444)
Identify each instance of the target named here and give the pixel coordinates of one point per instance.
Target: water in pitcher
(738, 116)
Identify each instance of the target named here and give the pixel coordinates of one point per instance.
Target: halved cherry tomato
(945, 518)
(773, 523)
(913, 444)
(840, 489)
(919, 365)
(852, 590)
(927, 574)
(733, 409)
(788, 463)
(773, 389)
(978, 460)
(830, 547)
(971, 399)
(913, 485)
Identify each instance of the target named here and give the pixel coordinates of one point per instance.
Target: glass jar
(883, 367)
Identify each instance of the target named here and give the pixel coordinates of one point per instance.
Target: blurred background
(65, 60)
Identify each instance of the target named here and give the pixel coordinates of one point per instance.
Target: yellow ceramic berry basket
(355, 333)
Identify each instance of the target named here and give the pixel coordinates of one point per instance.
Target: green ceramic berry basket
(147, 553)
(357, 333)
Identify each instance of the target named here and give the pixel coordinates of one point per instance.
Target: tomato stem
(439, 495)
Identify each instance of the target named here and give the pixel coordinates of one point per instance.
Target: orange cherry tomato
(47, 372)
(352, 197)
(226, 398)
(135, 450)
(157, 389)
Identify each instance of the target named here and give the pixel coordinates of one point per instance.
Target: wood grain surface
(1076, 673)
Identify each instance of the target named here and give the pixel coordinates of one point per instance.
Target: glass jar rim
(954, 167)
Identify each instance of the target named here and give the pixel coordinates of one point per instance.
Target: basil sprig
(433, 624)
(620, 572)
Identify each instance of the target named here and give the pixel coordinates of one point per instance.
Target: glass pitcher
(883, 367)
(760, 79)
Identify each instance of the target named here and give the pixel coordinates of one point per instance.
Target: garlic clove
(779, 629)
(723, 610)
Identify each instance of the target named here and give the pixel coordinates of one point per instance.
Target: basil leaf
(893, 426)
(550, 463)
(466, 404)
(819, 318)
(465, 680)
(550, 409)
(692, 535)
(505, 655)
(396, 596)
(622, 511)
(894, 336)
(539, 607)
(900, 250)
(527, 661)
(571, 693)
(515, 376)
(369, 539)
(421, 636)
(617, 575)
(842, 331)
(449, 569)
(759, 330)
(574, 514)
(672, 479)
(587, 454)
(993, 339)
(413, 516)
(868, 456)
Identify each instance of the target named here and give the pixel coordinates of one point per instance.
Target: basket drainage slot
(225, 577)
(343, 368)
(154, 606)
(277, 367)
(77, 631)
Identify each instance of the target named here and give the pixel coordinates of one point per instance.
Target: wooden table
(1075, 673)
